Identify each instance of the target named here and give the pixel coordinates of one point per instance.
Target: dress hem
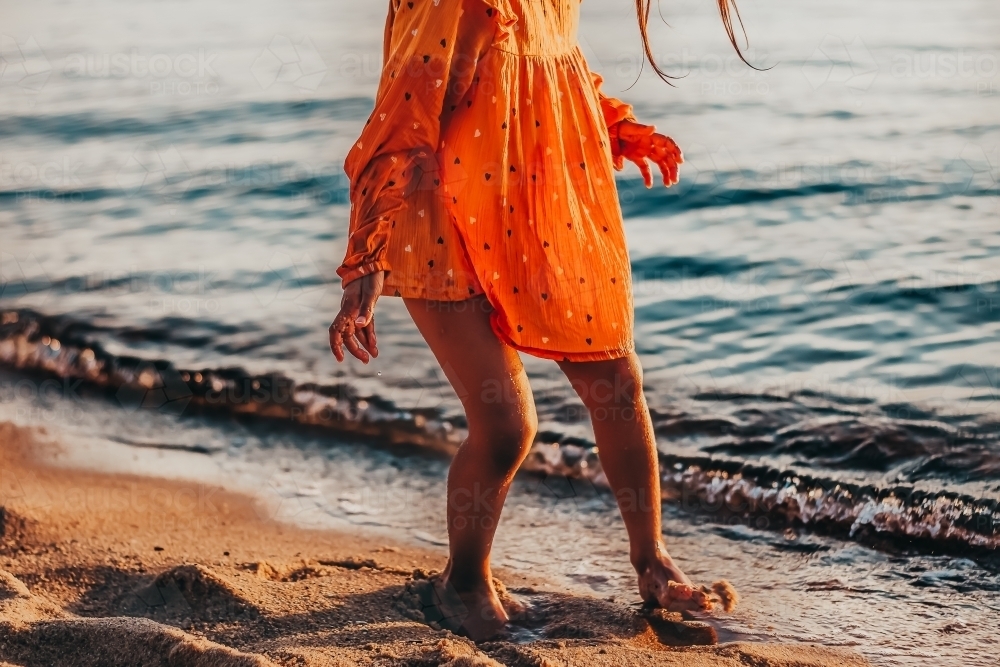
(555, 355)
(422, 292)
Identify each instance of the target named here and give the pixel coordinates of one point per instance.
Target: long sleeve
(403, 130)
(614, 109)
(614, 112)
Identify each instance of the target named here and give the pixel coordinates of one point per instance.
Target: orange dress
(486, 168)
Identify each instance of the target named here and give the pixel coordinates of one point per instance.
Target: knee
(612, 383)
(510, 434)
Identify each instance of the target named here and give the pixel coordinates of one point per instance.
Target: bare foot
(474, 611)
(663, 584)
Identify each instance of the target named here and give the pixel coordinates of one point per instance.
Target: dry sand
(99, 569)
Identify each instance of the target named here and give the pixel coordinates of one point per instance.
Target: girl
(483, 194)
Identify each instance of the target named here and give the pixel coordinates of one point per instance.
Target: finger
(366, 336)
(366, 315)
(336, 344)
(647, 173)
(619, 162)
(351, 342)
(666, 172)
(668, 169)
(361, 333)
(340, 323)
(372, 342)
(678, 155)
(366, 309)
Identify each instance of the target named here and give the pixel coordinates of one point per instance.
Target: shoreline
(954, 517)
(118, 568)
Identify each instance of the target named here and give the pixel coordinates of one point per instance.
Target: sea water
(817, 302)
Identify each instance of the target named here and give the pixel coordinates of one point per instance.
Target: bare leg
(490, 380)
(612, 392)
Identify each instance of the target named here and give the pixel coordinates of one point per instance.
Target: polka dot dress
(517, 198)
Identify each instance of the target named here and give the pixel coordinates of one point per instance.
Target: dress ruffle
(505, 18)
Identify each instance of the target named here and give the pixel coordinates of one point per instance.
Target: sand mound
(13, 529)
(308, 569)
(189, 592)
(297, 572)
(450, 653)
(35, 631)
(11, 587)
(18, 607)
(114, 642)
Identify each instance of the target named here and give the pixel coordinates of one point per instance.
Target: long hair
(642, 11)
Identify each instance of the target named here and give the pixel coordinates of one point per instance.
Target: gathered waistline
(575, 50)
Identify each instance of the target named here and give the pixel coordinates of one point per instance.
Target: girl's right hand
(639, 143)
(354, 326)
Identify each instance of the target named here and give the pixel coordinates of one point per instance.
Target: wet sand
(102, 569)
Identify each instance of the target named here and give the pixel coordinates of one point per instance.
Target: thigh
(486, 373)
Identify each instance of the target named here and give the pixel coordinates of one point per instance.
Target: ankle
(468, 581)
(644, 557)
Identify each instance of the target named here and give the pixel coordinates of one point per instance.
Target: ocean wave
(765, 497)
(715, 189)
(725, 483)
(211, 124)
(327, 185)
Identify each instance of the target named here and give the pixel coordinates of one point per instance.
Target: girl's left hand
(639, 143)
(354, 326)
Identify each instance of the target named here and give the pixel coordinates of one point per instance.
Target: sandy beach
(102, 569)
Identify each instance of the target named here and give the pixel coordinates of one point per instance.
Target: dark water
(817, 301)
